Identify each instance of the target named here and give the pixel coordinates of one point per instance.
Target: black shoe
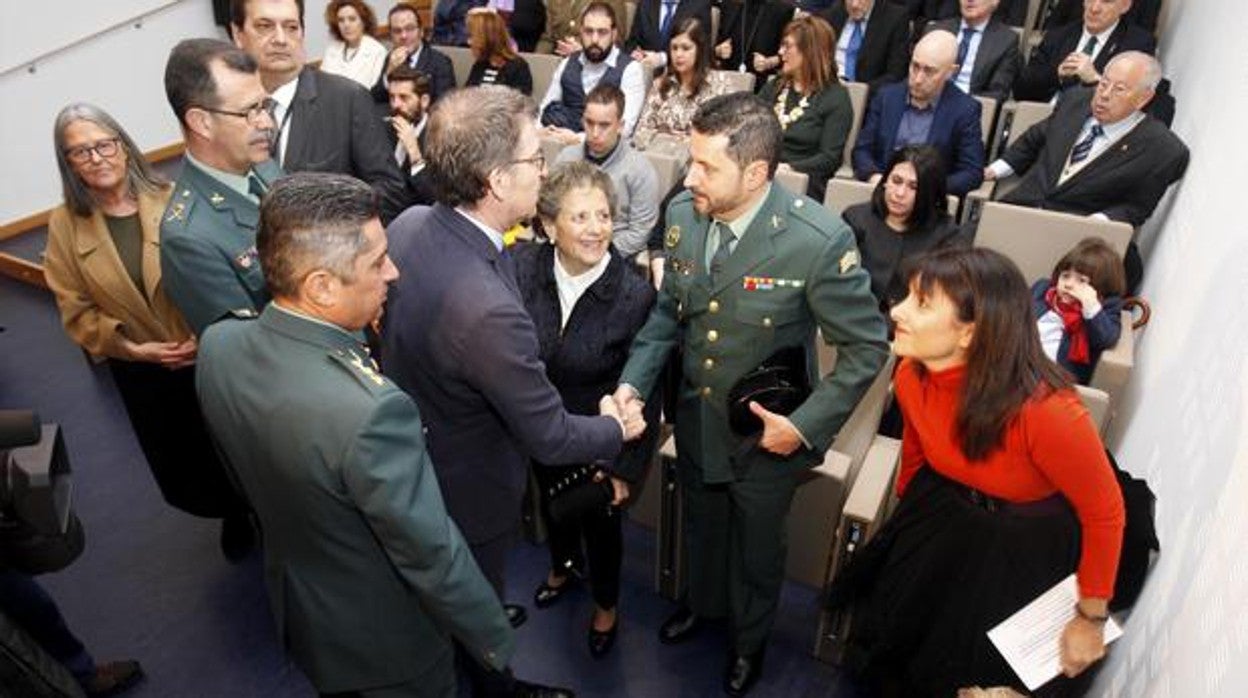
(516, 615)
(113, 678)
(743, 672)
(237, 537)
(680, 626)
(601, 641)
(546, 595)
(525, 689)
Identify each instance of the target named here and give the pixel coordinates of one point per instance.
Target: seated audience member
(653, 23)
(1079, 308)
(925, 110)
(636, 189)
(1099, 154)
(601, 62)
(409, 110)
(1011, 12)
(562, 34)
(325, 123)
(409, 48)
(1075, 54)
(687, 81)
(749, 36)
(526, 23)
(1004, 491)
(450, 17)
(813, 107)
(103, 265)
(988, 56)
(1143, 14)
(497, 63)
(208, 232)
(353, 52)
(368, 577)
(908, 216)
(873, 44)
(586, 305)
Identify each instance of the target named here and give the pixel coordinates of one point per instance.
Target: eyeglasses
(1117, 89)
(106, 148)
(253, 113)
(538, 161)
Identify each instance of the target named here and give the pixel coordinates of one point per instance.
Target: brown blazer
(99, 303)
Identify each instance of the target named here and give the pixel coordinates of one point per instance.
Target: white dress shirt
(284, 96)
(963, 78)
(632, 84)
(571, 288)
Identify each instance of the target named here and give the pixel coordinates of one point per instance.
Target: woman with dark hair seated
(497, 63)
(908, 215)
(587, 306)
(812, 105)
(687, 81)
(1004, 488)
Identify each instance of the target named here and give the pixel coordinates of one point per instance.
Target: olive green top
(127, 235)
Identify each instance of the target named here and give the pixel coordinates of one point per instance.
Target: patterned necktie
(1090, 47)
(723, 247)
(1083, 148)
(965, 47)
(851, 52)
(668, 12)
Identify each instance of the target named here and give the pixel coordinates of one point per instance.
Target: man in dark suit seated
(368, 578)
(925, 110)
(1077, 53)
(325, 123)
(1011, 12)
(409, 48)
(1098, 154)
(988, 55)
(653, 22)
(1143, 14)
(409, 114)
(872, 43)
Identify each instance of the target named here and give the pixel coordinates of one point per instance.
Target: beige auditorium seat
(626, 22)
(551, 147)
(843, 193)
(737, 81)
(669, 167)
(792, 180)
(857, 100)
(1035, 239)
(542, 67)
(1016, 118)
(461, 62)
(987, 120)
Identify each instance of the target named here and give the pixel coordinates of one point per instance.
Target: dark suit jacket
(884, 55)
(1011, 12)
(645, 32)
(1038, 81)
(764, 25)
(431, 62)
(1143, 14)
(420, 190)
(1103, 330)
(956, 133)
(1125, 182)
(458, 339)
(334, 128)
(997, 61)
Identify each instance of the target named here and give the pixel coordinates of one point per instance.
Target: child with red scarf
(1078, 308)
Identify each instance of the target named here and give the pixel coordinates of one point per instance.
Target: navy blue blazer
(956, 133)
(1103, 330)
(456, 336)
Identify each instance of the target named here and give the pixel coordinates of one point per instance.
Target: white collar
(1100, 38)
(496, 238)
(285, 94)
(977, 27)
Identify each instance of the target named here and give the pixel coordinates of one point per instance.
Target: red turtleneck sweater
(1051, 446)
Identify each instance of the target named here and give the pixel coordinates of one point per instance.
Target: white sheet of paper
(1030, 640)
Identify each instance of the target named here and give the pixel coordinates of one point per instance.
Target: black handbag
(780, 384)
(577, 494)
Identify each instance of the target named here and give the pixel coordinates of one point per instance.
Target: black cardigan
(885, 251)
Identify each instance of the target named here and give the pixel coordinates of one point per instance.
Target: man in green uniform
(208, 256)
(368, 577)
(751, 269)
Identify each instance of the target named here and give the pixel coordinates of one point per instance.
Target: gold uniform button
(766, 322)
(706, 392)
(708, 364)
(712, 336)
(713, 307)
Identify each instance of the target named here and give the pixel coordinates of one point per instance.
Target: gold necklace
(793, 114)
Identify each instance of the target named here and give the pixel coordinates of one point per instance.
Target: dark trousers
(438, 682)
(599, 532)
(491, 557)
(30, 607)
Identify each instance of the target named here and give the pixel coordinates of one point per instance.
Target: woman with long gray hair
(103, 265)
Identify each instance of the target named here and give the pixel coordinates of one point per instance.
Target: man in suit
(457, 336)
(653, 24)
(409, 48)
(1098, 154)
(988, 55)
(925, 109)
(409, 115)
(1011, 12)
(749, 36)
(325, 123)
(1143, 14)
(368, 577)
(450, 21)
(872, 44)
(1077, 53)
(751, 269)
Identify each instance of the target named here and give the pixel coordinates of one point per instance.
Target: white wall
(1185, 422)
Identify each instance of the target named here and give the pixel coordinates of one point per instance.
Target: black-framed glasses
(81, 154)
(252, 113)
(538, 161)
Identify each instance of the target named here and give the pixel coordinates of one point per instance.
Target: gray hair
(751, 126)
(140, 177)
(472, 132)
(567, 176)
(310, 221)
(1152, 67)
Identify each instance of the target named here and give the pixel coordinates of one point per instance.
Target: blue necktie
(965, 47)
(851, 52)
(665, 22)
(1083, 148)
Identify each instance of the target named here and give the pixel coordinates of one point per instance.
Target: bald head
(932, 65)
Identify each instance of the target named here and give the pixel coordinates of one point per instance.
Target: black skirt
(946, 568)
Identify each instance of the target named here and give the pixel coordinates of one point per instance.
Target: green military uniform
(795, 268)
(367, 575)
(208, 260)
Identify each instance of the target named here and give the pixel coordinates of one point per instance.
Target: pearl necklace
(792, 115)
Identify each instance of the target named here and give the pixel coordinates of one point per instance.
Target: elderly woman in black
(907, 216)
(587, 306)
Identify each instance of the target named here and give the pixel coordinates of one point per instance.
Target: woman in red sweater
(1004, 490)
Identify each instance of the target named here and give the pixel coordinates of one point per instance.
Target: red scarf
(1072, 322)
